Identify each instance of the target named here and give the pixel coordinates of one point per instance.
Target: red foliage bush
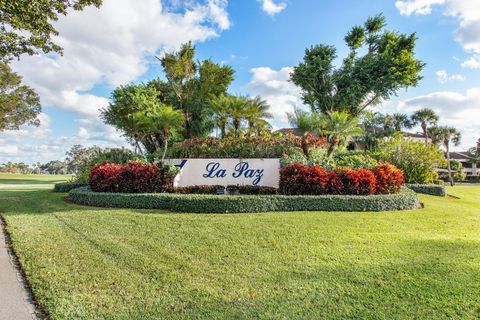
(359, 182)
(389, 178)
(134, 177)
(298, 179)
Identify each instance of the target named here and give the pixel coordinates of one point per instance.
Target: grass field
(30, 181)
(91, 263)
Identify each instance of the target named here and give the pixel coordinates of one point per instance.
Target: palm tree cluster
(240, 115)
(337, 127)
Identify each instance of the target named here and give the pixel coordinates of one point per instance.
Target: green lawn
(91, 263)
(29, 181)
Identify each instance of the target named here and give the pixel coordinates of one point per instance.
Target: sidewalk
(14, 299)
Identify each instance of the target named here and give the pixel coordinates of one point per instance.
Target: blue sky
(261, 39)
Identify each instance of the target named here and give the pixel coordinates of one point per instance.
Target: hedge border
(406, 199)
(67, 186)
(430, 189)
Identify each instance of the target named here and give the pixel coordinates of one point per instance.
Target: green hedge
(473, 179)
(431, 189)
(67, 186)
(202, 203)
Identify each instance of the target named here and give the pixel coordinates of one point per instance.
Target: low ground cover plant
(299, 179)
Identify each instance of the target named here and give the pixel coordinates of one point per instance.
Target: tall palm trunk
(425, 133)
(236, 125)
(165, 143)
(332, 146)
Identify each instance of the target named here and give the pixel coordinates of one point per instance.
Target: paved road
(14, 300)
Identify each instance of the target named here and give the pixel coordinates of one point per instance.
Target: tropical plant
(160, 118)
(426, 118)
(372, 124)
(257, 115)
(220, 108)
(307, 125)
(338, 127)
(193, 84)
(445, 136)
(401, 121)
(388, 65)
(238, 111)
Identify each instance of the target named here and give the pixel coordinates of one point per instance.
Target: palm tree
(220, 106)
(161, 118)
(372, 123)
(238, 110)
(425, 117)
(306, 123)
(401, 121)
(338, 126)
(446, 135)
(256, 115)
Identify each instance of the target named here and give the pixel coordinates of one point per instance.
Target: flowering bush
(299, 179)
(134, 177)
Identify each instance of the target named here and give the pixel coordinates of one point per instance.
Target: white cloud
(109, 46)
(467, 13)
(113, 45)
(272, 8)
(472, 63)
(454, 108)
(275, 87)
(443, 76)
(421, 7)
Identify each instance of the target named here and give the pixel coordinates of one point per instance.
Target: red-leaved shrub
(300, 179)
(359, 182)
(389, 178)
(134, 177)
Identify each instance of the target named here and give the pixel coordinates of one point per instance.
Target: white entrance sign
(224, 172)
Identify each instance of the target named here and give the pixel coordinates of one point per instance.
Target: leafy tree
(78, 156)
(160, 118)
(338, 126)
(26, 26)
(19, 104)
(11, 167)
(388, 65)
(193, 84)
(445, 135)
(125, 102)
(55, 167)
(426, 118)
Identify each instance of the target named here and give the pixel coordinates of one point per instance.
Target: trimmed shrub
(67, 186)
(389, 178)
(194, 189)
(115, 155)
(431, 189)
(473, 179)
(359, 182)
(251, 190)
(134, 177)
(299, 179)
(196, 203)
